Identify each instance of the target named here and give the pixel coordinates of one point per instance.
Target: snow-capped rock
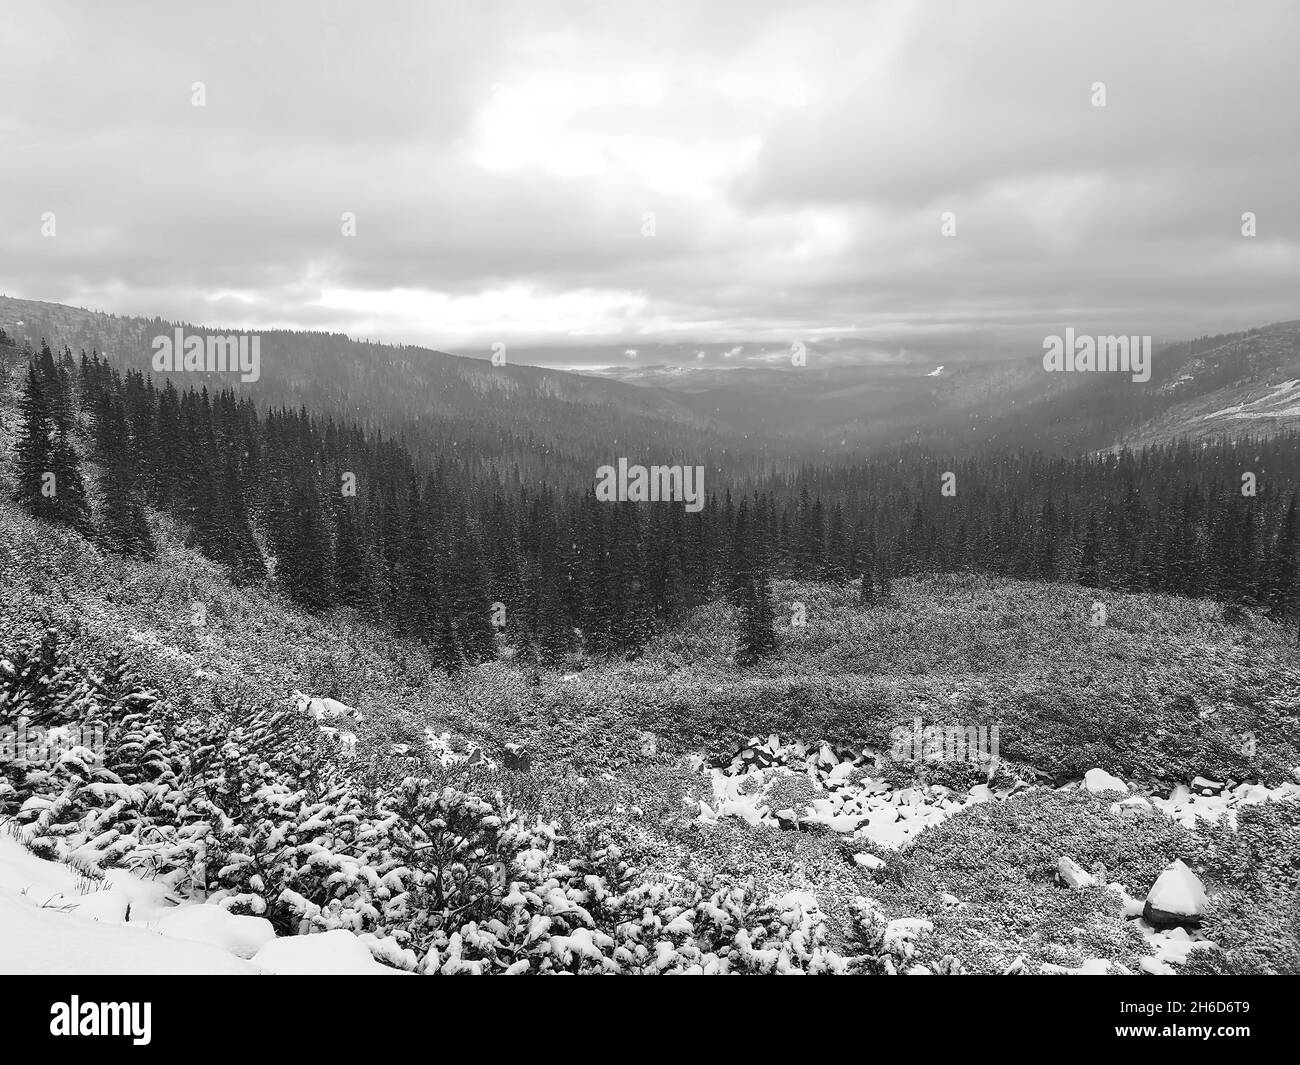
(1098, 781)
(1177, 898)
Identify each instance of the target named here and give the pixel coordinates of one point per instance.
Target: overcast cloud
(501, 157)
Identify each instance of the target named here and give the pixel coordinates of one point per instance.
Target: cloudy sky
(624, 174)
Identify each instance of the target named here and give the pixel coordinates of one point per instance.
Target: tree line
(342, 516)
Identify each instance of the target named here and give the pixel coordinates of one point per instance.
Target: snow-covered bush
(253, 809)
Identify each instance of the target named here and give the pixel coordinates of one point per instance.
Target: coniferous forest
(339, 516)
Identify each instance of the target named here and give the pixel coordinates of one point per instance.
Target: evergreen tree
(1090, 560)
(1283, 585)
(122, 523)
(882, 575)
(35, 452)
(70, 506)
(867, 592)
(756, 636)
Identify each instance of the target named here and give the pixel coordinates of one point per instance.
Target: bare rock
(1073, 875)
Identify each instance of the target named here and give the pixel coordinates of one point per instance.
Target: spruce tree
(868, 590)
(1090, 560)
(122, 523)
(756, 636)
(70, 506)
(35, 452)
(1283, 585)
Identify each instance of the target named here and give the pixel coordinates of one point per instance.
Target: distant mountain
(544, 421)
(1237, 384)
(736, 408)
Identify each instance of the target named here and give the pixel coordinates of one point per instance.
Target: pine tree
(837, 553)
(1090, 560)
(35, 452)
(303, 560)
(1283, 584)
(446, 645)
(882, 574)
(470, 601)
(70, 506)
(551, 631)
(351, 572)
(868, 590)
(756, 636)
(122, 523)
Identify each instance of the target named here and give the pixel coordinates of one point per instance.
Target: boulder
(787, 818)
(1073, 875)
(1098, 781)
(518, 758)
(1152, 966)
(1176, 900)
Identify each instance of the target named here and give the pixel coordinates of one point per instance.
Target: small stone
(518, 758)
(1073, 875)
(787, 818)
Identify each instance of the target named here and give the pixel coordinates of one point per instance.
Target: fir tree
(122, 523)
(35, 452)
(756, 638)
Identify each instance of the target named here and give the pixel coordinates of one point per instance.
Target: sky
(595, 177)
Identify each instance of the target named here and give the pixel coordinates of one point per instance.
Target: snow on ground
(847, 798)
(54, 920)
(334, 953)
(1264, 406)
(35, 940)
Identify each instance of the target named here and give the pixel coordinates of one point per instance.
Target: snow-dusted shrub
(254, 809)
